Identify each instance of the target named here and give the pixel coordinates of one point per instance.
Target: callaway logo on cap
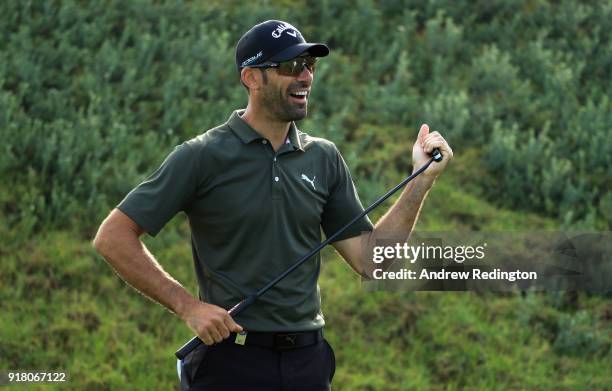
(274, 40)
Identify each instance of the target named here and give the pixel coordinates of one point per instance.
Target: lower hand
(210, 323)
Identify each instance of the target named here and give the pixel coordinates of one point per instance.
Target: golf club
(247, 301)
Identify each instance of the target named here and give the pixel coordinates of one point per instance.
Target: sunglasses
(293, 67)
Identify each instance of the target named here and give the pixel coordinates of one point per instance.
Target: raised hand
(423, 147)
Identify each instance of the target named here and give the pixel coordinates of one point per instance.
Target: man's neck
(273, 130)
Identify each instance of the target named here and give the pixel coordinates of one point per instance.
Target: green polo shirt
(253, 212)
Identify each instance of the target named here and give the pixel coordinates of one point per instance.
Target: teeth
(301, 93)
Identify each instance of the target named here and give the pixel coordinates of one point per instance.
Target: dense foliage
(94, 95)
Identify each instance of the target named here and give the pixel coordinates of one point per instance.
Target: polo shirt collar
(247, 134)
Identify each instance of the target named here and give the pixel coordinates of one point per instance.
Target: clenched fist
(424, 145)
(210, 323)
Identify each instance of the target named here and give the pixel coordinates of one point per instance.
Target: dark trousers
(227, 366)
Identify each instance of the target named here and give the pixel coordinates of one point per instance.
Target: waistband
(276, 341)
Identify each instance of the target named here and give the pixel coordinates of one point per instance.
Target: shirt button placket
(276, 186)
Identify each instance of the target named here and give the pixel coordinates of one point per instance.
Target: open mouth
(300, 96)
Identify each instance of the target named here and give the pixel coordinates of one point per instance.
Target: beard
(276, 101)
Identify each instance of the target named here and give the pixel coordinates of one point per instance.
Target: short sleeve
(343, 204)
(164, 193)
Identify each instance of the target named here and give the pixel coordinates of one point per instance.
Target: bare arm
(118, 241)
(396, 224)
(400, 219)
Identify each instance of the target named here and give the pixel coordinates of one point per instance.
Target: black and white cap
(274, 40)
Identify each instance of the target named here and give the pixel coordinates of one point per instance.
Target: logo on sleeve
(311, 181)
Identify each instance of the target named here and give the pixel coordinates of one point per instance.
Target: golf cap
(276, 41)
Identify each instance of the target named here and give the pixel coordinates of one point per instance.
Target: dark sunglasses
(293, 67)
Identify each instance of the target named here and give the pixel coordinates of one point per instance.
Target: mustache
(298, 86)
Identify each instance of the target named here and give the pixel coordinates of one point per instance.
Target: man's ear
(250, 78)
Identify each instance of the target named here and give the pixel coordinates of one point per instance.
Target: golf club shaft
(245, 303)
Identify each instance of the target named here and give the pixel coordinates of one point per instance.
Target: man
(257, 192)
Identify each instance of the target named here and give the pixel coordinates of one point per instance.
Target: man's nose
(306, 75)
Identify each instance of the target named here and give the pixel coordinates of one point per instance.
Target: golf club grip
(437, 155)
(195, 341)
(188, 348)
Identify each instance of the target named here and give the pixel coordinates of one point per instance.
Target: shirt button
(276, 179)
(264, 141)
(274, 158)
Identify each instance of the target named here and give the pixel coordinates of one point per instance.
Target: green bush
(95, 94)
(580, 334)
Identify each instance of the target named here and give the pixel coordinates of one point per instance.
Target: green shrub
(580, 335)
(94, 95)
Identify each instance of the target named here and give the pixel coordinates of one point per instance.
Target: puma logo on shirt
(311, 181)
